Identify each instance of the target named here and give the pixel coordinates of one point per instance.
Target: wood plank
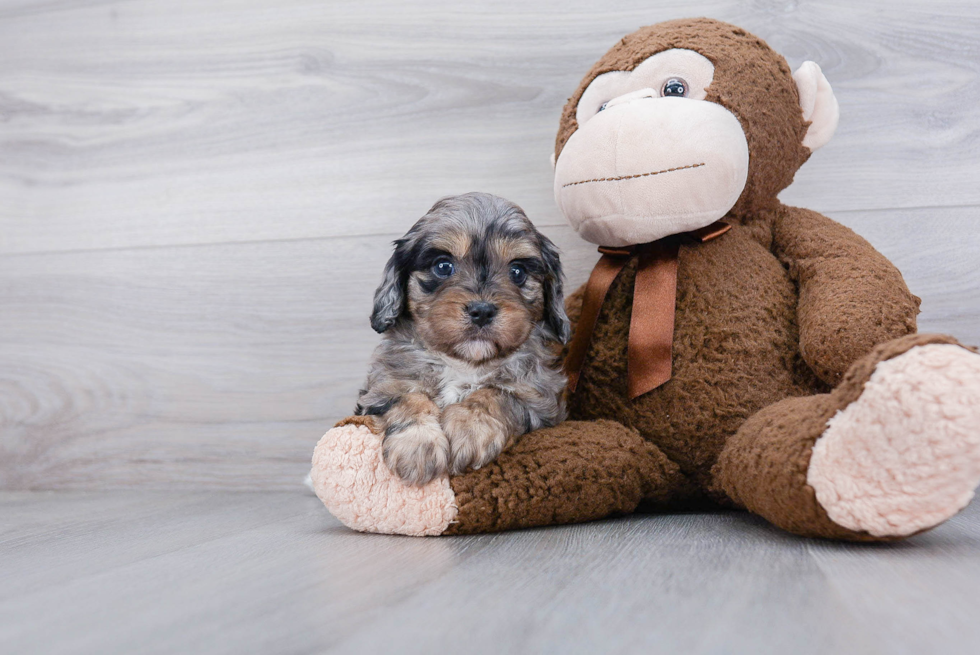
(887, 590)
(207, 365)
(164, 572)
(152, 122)
(220, 366)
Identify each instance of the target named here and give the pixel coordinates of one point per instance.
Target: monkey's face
(680, 124)
(651, 157)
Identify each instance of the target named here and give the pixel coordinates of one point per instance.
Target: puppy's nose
(481, 312)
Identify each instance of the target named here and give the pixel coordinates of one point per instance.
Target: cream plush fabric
(818, 103)
(615, 192)
(905, 456)
(695, 69)
(350, 477)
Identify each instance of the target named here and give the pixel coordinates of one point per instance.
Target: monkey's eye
(675, 87)
(443, 267)
(603, 106)
(518, 274)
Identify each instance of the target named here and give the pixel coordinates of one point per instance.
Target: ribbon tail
(651, 336)
(602, 277)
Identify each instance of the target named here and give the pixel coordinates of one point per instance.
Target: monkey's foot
(905, 456)
(350, 477)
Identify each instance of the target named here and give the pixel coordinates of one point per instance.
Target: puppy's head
(475, 278)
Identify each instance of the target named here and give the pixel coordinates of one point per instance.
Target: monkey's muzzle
(677, 164)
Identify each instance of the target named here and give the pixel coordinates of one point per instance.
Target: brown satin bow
(651, 335)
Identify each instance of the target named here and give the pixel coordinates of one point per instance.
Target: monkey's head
(680, 124)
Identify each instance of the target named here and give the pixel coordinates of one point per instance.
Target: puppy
(468, 304)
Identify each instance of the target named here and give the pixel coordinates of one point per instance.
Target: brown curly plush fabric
(780, 324)
(770, 318)
(586, 470)
(763, 468)
(779, 330)
(571, 473)
(763, 313)
(744, 407)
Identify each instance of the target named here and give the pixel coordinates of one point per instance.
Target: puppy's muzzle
(481, 313)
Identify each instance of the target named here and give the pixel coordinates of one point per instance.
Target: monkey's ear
(557, 326)
(389, 298)
(818, 104)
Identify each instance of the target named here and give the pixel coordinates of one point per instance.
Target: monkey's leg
(892, 451)
(578, 471)
(575, 472)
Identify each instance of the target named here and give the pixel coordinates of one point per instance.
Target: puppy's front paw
(475, 437)
(416, 451)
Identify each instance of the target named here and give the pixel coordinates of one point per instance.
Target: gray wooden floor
(220, 572)
(196, 201)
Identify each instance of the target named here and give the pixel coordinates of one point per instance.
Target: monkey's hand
(414, 446)
(479, 428)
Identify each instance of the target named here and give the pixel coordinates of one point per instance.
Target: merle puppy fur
(469, 302)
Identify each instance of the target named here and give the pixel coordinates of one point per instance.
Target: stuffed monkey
(768, 362)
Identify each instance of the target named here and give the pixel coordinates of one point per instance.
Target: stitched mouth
(631, 177)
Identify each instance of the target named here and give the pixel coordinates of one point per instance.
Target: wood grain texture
(210, 572)
(157, 122)
(198, 366)
(220, 366)
(197, 199)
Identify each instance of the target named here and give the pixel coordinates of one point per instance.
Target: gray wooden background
(196, 198)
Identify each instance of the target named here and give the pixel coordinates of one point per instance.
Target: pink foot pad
(905, 456)
(350, 477)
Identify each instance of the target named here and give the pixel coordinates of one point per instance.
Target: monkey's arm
(851, 298)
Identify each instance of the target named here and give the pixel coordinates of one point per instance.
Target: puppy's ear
(389, 298)
(556, 322)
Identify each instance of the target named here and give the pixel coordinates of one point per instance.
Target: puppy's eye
(675, 87)
(518, 274)
(443, 267)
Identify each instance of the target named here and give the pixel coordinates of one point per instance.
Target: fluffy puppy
(468, 304)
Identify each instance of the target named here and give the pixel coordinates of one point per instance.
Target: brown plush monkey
(773, 367)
